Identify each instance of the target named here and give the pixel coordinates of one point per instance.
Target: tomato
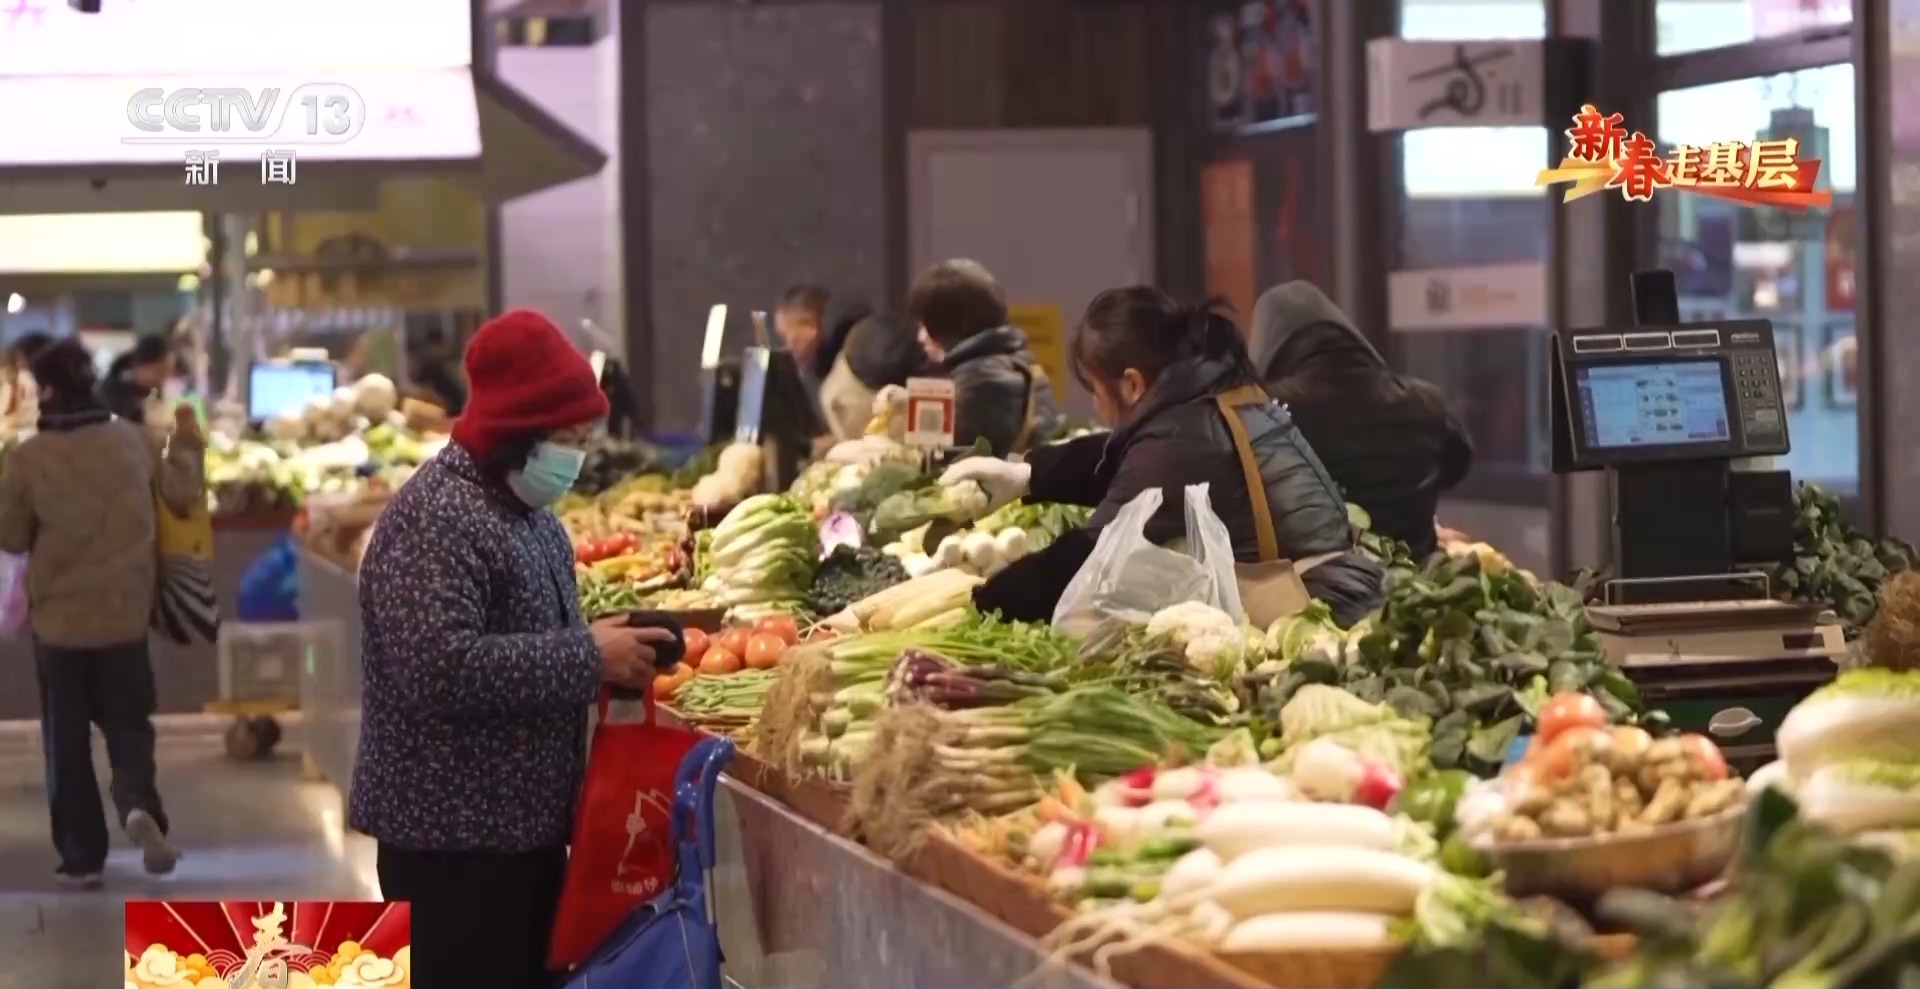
(780, 625)
(719, 661)
(1704, 757)
(1566, 711)
(1563, 755)
(733, 640)
(665, 686)
(696, 647)
(764, 650)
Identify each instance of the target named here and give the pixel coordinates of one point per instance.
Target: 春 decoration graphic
(1602, 154)
(267, 945)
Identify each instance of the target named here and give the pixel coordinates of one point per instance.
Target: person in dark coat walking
(1176, 386)
(136, 377)
(1000, 393)
(1388, 440)
(478, 669)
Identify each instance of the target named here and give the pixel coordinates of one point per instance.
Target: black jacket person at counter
(1388, 440)
(1176, 385)
(1000, 393)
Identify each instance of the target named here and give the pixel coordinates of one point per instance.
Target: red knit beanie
(524, 376)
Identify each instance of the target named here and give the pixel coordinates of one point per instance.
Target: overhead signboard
(336, 115)
(1416, 84)
(135, 37)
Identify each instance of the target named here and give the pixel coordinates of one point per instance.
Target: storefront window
(1796, 269)
(1697, 25)
(1468, 200)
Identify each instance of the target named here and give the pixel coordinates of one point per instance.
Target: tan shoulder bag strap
(1230, 402)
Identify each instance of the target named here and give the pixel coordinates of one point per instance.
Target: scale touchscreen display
(1654, 404)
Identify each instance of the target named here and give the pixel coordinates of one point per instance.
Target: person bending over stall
(1000, 394)
(77, 498)
(1389, 441)
(478, 669)
(1180, 394)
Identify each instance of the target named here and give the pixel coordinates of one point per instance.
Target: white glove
(1002, 480)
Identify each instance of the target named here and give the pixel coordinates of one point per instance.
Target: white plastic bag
(13, 594)
(1130, 578)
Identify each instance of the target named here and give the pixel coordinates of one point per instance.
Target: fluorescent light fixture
(90, 243)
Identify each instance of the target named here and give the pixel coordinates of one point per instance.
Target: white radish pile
(1274, 873)
(975, 552)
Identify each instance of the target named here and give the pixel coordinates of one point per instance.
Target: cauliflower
(1209, 637)
(375, 395)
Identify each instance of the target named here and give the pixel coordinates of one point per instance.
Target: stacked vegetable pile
(1006, 535)
(1583, 780)
(847, 575)
(1837, 564)
(1472, 649)
(1850, 753)
(763, 556)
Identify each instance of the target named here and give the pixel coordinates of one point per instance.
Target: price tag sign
(929, 413)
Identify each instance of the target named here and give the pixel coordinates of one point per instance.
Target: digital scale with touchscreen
(1682, 418)
(1665, 408)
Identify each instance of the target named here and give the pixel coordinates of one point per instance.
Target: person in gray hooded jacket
(1389, 440)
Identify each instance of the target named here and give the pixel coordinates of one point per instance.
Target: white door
(1058, 217)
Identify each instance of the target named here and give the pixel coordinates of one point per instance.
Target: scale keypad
(1756, 393)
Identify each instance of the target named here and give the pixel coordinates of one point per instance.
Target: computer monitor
(274, 387)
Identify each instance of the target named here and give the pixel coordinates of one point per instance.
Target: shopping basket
(669, 942)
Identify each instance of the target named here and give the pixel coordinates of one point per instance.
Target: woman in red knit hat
(478, 669)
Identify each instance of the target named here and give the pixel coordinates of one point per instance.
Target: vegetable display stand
(1022, 902)
(800, 907)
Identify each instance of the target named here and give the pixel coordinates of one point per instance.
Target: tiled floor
(245, 830)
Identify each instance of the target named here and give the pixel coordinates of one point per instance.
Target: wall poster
(1261, 63)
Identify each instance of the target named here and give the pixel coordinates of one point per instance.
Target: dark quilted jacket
(996, 386)
(477, 670)
(1177, 437)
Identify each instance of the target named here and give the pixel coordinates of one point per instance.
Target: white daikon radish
(1210, 924)
(1012, 543)
(1252, 784)
(1279, 880)
(1179, 784)
(919, 564)
(950, 552)
(1193, 871)
(1308, 931)
(1237, 829)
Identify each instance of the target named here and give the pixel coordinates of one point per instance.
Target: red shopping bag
(623, 832)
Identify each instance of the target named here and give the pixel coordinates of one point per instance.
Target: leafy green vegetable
(1836, 564)
(1042, 522)
(1815, 912)
(1431, 797)
(847, 575)
(1376, 731)
(1475, 652)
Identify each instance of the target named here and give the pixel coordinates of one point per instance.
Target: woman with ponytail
(1184, 402)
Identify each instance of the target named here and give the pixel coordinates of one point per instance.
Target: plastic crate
(263, 663)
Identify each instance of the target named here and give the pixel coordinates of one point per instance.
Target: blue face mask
(549, 474)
